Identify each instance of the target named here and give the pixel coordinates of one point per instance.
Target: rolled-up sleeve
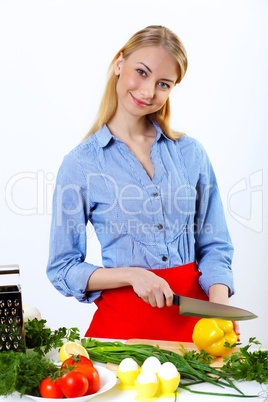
(67, 269)
(214, 249)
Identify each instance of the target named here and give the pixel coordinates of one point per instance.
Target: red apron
(122, 315)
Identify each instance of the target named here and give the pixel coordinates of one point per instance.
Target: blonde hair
(154, 35)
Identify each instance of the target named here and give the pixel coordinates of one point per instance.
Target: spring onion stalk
(115, 352)
(216, 393)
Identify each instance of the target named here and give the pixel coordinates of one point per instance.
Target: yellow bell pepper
(211, 334)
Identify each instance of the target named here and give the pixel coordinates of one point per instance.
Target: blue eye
(164, 85)
(141, 72)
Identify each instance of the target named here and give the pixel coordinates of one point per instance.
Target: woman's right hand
(147, 285)
(150, 287)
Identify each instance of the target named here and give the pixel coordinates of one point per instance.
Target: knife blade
(206, 309)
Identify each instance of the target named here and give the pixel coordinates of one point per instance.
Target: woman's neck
(131, 128)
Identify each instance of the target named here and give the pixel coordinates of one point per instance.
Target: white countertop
(117, 395)
(249, 388)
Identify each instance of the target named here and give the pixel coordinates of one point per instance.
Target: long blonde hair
(154, 35)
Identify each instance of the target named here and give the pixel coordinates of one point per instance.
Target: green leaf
(246, 365)
(38, 336)
(193, 355)
(23, 372)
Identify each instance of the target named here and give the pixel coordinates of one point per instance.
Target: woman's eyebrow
(162, 79)
(140, 62)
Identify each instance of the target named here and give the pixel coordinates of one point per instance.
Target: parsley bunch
(43, 339)
(195, 356)
(246, 365)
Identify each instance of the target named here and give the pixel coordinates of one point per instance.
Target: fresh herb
(23, 372)
(247, 365)
(215, 393)
(194, 372)
(43, 339)
(203, 357)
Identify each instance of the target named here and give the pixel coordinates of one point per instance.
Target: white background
(53, 60)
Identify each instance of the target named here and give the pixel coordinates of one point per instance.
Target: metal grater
(11, 313)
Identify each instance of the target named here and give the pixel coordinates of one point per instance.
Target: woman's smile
(139, 102)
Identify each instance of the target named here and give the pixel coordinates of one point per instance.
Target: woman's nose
(148, 89)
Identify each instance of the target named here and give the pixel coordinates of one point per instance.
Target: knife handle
(176, 300)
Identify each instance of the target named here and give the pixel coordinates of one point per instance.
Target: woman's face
(146, 78)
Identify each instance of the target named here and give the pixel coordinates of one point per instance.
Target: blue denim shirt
(174, 219)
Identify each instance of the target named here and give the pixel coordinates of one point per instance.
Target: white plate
(107, 381)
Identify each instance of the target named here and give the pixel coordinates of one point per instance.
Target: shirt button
(160, 226)
(155, 194)
(164, 258)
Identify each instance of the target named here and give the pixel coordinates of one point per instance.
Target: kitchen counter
(249, 388)
(117, 395)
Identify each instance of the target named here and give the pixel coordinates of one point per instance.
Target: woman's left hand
(237, 330)
(219, 293)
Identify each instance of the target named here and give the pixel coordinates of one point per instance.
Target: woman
(152, 197)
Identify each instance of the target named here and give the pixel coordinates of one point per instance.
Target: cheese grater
(11, 313)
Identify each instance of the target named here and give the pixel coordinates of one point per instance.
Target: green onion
(197, 372)
(216, 393)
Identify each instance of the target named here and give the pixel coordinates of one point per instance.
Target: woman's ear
(118, 63)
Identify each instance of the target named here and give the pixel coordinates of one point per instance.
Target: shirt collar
(159, 132)
(104, 135)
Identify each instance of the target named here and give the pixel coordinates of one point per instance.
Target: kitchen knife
(205, 309)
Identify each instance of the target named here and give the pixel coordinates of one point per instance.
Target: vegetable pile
(193, 371)
(32, 374)
(77, 377)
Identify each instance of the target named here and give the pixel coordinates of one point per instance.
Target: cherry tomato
(50, 388)
(92, 376)
(76, 360)
(73, 384)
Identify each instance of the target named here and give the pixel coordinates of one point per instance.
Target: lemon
(71, 348)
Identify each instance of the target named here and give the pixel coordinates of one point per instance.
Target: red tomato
(92, 375)
(50, 388)
(73, 384)
(76, 360)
